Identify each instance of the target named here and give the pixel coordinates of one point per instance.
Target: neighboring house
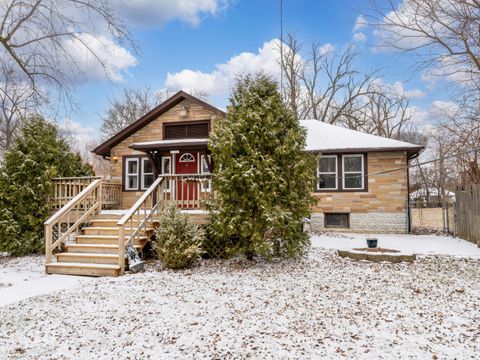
(430, 195)
(362, 185)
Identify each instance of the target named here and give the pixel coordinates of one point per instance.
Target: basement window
(337, 220)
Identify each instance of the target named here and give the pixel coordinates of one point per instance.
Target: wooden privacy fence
(468, 212)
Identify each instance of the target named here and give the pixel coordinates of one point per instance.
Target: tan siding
(151, 132)
(386, 192)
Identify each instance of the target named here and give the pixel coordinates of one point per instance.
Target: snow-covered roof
(169, 142)
(325, 137)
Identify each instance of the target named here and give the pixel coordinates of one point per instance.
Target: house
(162, 158)
(431, 196)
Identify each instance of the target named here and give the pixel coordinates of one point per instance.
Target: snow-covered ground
(22, 278)
(322, 306)
(410, 244)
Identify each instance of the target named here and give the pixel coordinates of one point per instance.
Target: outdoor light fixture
(184, 111)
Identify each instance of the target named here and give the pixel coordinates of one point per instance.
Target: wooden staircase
(94, 251)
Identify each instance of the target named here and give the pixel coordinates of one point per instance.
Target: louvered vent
(186, 131)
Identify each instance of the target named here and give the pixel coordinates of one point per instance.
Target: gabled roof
(104, 149)
(326, 138)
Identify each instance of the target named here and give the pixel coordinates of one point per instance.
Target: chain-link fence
(432, 217)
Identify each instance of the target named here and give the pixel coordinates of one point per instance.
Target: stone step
(69, 268)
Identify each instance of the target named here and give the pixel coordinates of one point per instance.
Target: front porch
(88, 231)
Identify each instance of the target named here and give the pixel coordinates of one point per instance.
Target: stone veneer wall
(152, 132)
(383, 208)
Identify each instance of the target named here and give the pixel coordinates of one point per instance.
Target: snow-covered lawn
(413, 244)
(322, 306)
(22, 278)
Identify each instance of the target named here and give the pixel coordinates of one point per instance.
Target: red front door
(187, 191)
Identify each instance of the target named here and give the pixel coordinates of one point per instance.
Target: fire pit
(377, 254)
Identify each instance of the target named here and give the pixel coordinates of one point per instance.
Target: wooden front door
(187, 191)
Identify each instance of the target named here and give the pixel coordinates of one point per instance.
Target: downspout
(409, 225)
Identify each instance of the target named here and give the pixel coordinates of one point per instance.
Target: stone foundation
(367, 223)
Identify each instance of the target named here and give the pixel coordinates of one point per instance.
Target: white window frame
(361, 172)
(208, 187)
(327, 173)
(168, 186)
(143, 173)
(128, 175)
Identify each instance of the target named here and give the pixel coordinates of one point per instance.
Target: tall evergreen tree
(263, 179)
(26, 176)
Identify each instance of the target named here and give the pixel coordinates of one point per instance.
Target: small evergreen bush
(178, 242)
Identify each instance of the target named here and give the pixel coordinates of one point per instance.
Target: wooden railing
(66, 188)
(112, 195)
(187, 190)
(140, 217)
(67, 220)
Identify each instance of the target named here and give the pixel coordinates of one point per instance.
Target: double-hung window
(147, 173)
(353, 166)
(204, 170)
(131, 173)
(138, 173)
(327, 173)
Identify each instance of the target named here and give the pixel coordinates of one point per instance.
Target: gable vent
(186, 131)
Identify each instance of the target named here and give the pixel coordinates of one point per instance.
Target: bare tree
(383, 111)
(41, 40)
(292, 65)
(463, 132)
(132, 105)
(129, 107)
(16, 101)
(323, 85)
(443, 35)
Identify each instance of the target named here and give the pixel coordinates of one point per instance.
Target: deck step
(104, 239)
(110, 230)
(87, 258)
(108, 222)
(95, 248)
(69, 268)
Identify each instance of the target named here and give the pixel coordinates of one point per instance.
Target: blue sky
(206, 36)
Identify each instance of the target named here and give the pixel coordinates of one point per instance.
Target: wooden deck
(89, 233)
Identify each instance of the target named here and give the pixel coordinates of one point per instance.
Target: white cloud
(397, 87)
(326, 49)
(115, 59)
(437, 111)
(360, 23)
(397, 34)
(219, 80)
(415, 94)
(79, 137)
(155, 13)
(359, 37)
